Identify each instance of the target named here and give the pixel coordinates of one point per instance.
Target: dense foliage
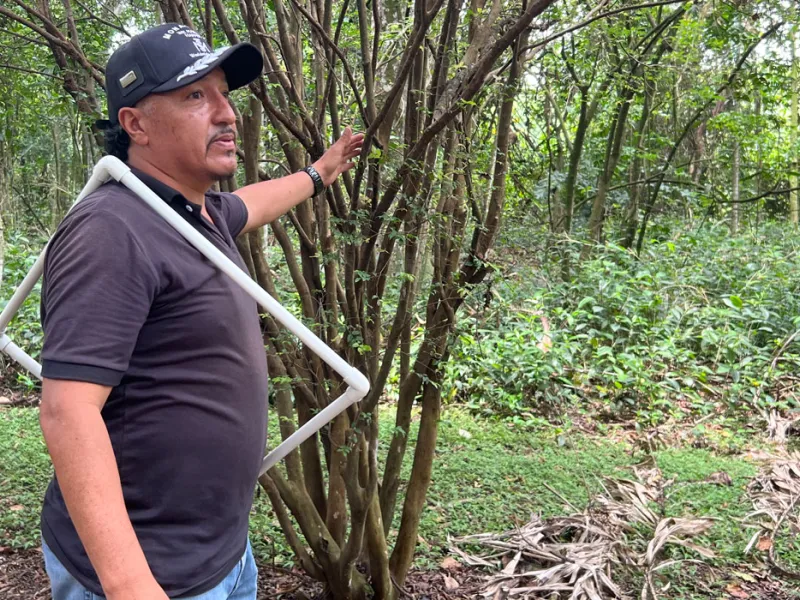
(702, 322)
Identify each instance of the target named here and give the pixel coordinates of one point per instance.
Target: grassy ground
(488, 477)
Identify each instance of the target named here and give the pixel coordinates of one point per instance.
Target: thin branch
(30, 209)
(290, 88)
(224, 21)
(794, 575)
(405, 66)
(94, 70)
(119, 28)
(25, 38)
(409, 54)
(465, 90)
(366, 58)
(55, 35)
(284, 120)
(771, 192)
(572, 72)
(304, 239)
(376, 35)
(31, 25)
(341, 56)
(286, 169)
(328, 95)
(308, 563)
(31, 71)
(604, 15)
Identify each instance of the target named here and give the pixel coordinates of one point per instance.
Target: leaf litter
(587, 555)
(775, 494)
(590, 554)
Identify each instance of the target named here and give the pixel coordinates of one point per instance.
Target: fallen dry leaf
(450, 563)
(16, 507)
(450, 584)
(744, 576)
(512, 564)
(501, 594)
(760, 456)
(5, 400)
(736, 591)
(764, 544)
(720, 478)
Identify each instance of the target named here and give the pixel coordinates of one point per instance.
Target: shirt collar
(162, 190)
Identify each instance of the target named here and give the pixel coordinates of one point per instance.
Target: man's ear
(132, 121)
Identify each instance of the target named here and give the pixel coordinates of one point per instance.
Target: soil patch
(22, 577)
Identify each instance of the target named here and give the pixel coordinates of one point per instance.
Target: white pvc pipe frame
(111, 167)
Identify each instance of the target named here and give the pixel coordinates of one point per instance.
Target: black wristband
(319, 185)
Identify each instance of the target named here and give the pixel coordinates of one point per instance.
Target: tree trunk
(613, 151)
(759, 155)
(653, 196)
(3, 203)
(5, 200)
(794, 214)
(637, 172)
(735, 188)
(56, 208)
(420, 480)
(442, 320)
(584, 120)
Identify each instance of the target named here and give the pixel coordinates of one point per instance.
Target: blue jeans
(240, 584)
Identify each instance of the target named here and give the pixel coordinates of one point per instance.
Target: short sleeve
(97, 291)
(234, 211)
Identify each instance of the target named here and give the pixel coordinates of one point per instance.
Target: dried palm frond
(579, 556)
(775, 494)
(779, 427)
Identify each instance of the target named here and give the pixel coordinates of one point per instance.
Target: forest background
(565, 261)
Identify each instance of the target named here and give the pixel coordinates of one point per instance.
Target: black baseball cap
(170, 56)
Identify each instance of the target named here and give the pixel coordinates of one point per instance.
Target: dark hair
(117, 142)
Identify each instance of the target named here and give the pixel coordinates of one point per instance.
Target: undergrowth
(701, 323)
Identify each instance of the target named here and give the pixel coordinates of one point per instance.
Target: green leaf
(733, 302)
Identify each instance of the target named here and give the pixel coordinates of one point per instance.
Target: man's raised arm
(268, 200)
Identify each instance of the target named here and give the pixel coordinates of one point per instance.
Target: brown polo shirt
(127, 302)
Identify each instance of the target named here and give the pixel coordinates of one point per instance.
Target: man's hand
(268, 200)
(147, 590)
(337, 159)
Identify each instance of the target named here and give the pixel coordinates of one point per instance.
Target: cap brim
(241, 63)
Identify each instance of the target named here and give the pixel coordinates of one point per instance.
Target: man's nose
(223, 110)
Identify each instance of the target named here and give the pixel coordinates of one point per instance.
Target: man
(154, 394)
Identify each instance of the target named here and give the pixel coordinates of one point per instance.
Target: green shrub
(701, 321)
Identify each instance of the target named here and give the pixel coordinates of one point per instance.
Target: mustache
(220, 133)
